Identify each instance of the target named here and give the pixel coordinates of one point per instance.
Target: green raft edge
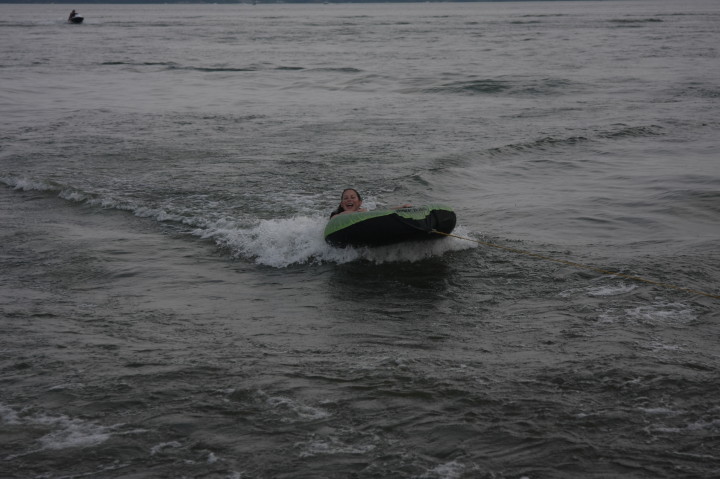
(340, 222)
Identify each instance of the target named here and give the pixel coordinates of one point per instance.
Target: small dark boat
(76, 20)
(383, 227)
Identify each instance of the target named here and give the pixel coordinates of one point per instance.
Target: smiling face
(350, 200)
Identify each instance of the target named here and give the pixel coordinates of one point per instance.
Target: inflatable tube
(383, 227)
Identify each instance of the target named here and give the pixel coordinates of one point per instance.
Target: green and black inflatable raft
(383, 227)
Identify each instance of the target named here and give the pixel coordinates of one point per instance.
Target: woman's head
(350, 200)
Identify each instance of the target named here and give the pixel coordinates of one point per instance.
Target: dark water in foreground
(168, 307)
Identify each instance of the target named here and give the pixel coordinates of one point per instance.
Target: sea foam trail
(283, 242)
(76, 195)
(277, 242)
(56, 432)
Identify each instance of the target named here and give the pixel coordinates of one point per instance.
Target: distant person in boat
(73, 14)
(351, 202)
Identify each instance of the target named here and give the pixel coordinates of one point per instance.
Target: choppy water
(169, 308)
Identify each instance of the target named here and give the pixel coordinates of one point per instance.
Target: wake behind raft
(384, 227)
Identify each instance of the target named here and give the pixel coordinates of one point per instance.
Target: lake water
(168, 307)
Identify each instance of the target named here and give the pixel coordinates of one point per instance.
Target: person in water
(351, 202)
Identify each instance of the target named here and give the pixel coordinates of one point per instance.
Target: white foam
(600, 291)
(449, 470)
(299, 240)
(417, 251)
(276, 242)
(658, 411)
(77, 196)
(660, 312)
(65, 432)
(700, 425)
(294, 411)
(8, 415)
(659, 346)
(611, 290)
(704, 425)
(65, 386)
(157, 448)
(25, 184)
(72, 195)
(72, 432)
(333, 445)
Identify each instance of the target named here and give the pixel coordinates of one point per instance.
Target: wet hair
(340, 208)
